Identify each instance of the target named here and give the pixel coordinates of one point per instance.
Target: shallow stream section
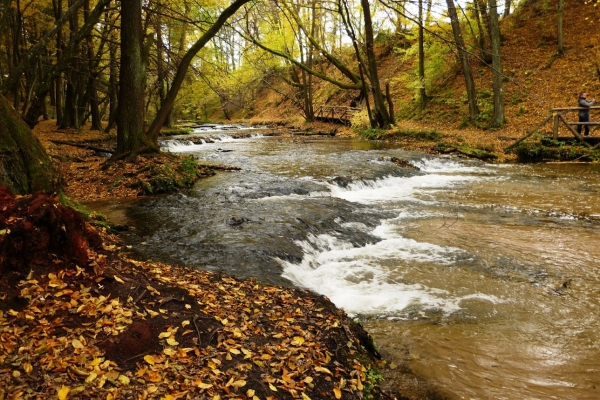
(481, 279)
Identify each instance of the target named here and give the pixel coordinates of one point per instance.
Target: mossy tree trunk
(25, 166)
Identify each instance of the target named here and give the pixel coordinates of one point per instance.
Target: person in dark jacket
(584, 114)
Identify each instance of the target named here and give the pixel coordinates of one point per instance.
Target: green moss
(550, 149)
(371, 385)
(166, 178)
(25, 167)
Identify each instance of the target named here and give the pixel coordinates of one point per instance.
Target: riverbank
(78, 317)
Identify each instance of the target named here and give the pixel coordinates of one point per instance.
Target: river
(480, 279)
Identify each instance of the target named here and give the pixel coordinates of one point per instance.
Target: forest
(91, 87)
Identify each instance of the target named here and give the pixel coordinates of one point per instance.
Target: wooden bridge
(558, 116)
(336, 114)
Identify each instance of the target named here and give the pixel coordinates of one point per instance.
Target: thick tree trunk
(464, 59)
(498, 118)
(382, 115)
(130, 121)
(24, 164)
(58, 104)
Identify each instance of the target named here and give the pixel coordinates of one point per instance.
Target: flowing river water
(481, 279)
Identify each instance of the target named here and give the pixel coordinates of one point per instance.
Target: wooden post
(555, 129)
(573, 131)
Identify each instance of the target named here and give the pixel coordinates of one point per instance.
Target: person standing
(584, 114)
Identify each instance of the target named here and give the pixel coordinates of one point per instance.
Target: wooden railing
(339, 114)
(558, 117)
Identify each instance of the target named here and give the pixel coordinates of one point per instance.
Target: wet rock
(236, 221)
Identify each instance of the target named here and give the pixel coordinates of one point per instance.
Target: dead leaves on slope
(222, 338)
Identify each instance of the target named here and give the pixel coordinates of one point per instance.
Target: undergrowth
(166, 178)
(395, 134)
(549, 149)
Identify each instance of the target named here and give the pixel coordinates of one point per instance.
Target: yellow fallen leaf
(96, 361)
(169, 351)
(188, 306)
(27, 367)
(203, 385)
(112, 375)
(273, 388)
(163, 335)
(123, 379)
(150, 359)
(322, 369)
(305, 396)
(337, 392)
(298, 340)
(91, 377)
(250, 393)
(239, 384)
(152, 313)
(224, 321)
(185, 323)
(234, 351)
(172, 342)
(77, 344)
(152, 290)
(118, 279)
(63, 393)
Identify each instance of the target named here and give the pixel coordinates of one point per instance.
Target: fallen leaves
(232, 339)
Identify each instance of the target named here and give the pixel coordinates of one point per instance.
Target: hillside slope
(536, 80)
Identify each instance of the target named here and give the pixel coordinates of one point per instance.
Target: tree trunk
(464, 59)
(560, 51)
(24, 164)
(382, 116)
(92, 75)
(159, 120)
(130, 121)
(113, 88)
(498, 118)
(486, 55)
(422, 92)
(507, 5)
(58, 104)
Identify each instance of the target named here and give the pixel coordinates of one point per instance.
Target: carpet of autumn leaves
(78, 320)
(87, 175)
